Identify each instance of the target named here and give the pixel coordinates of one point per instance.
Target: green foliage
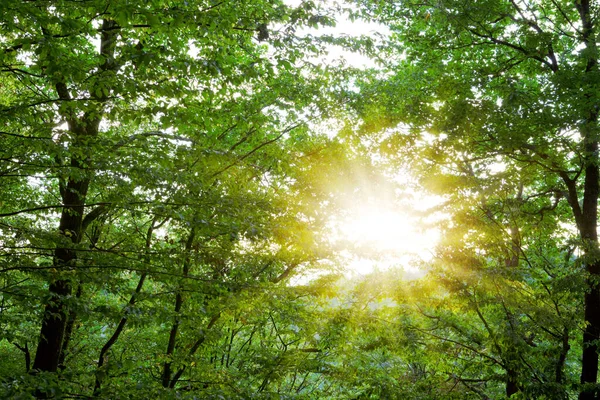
(492, 106)
(165, 185)
(157, 172)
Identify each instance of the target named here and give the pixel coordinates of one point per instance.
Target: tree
(500, 83)
(121, 120)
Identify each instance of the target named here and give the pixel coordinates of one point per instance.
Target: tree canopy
(171, 171)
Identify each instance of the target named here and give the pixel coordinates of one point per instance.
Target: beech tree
(473, 87)
(149, 156)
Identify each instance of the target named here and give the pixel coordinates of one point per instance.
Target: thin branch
(26, 353)
(513, 46)
(25, 137)
(160, 134)
(268, 142)
(194, 348)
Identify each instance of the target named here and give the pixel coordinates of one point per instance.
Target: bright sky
(345, 27)
(377, 233)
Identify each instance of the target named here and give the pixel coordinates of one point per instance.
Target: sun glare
(381, 237)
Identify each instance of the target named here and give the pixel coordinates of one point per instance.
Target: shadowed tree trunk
(587, 218)
(82, 128)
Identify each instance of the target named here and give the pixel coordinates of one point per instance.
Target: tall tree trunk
(588, 217)
(512, 385)
(74, 193)
(56, 312)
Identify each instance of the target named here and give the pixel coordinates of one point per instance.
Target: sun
(381, 236)
(386, 230)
